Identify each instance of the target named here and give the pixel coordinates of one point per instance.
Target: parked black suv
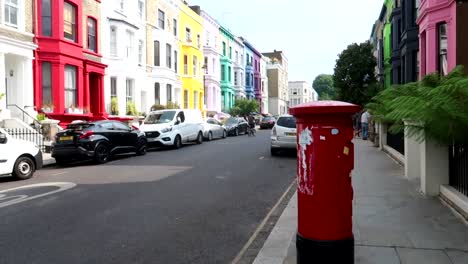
(98, 141)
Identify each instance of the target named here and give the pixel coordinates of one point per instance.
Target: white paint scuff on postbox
(305, 139)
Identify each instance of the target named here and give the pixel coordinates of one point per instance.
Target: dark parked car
(267, 122)
(236, 126)
(98, 141)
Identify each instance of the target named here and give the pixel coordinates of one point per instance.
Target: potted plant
(131, 108)
(114, 106)
(47, 108)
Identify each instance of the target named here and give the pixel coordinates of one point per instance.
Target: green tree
(323, 85)
(354, 77)
(244, 107)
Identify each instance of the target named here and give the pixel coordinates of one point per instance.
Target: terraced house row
(414, 38)
(115, 59)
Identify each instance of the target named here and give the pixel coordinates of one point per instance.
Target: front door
(94, 92)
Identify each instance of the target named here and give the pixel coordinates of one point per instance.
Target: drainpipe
(35, 32)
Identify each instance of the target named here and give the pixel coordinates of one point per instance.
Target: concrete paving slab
(458, 257)
(411, 256)
(373, 255)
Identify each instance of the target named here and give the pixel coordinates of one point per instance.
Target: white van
(19, 158)
(173, 127)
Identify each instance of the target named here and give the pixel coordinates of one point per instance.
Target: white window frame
(141, 9)
(161, 22)
(19, 10)
(129, 43)
(113, 41)
(140, 52)
(129, 90)
(70, 89)
(195, 99)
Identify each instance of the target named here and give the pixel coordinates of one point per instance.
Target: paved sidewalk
(393, 222)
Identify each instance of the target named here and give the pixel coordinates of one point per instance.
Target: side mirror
(3, 138)
(177, 122)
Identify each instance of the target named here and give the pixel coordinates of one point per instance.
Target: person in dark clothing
(357, 124)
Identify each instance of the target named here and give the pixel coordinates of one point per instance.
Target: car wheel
(274, 152)
(177, 142)
(142, 148)
(236, 133)
(210, 136)
(200, 138)
(24, 168)
(101, 153)
(224, 134)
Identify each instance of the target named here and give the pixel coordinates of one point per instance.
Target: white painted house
(301, 92)
(239, 68)
(264, 82)
(16, 59)
(162, 46)
(211, 63)
(123, 31)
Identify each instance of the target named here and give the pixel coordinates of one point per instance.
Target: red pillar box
(324, 163)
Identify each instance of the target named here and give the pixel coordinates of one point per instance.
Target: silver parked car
(283, 134)
(212, 129)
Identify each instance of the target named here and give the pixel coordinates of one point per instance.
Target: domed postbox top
(324, 107)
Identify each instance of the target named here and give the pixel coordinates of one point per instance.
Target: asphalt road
(199, 204)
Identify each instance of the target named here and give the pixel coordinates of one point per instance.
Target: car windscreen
(80, 126)
(286, 121)
(160, 117)
(268, 119)
(231, 121)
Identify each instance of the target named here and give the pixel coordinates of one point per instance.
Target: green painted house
(227, 86)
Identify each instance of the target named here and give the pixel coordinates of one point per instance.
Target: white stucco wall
(239, 67)
(211, 50)
(123, 67)
(263, 71)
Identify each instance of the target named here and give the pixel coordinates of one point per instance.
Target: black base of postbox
(324, 252)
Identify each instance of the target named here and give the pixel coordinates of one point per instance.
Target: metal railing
(458, 168)
(396, 141)
(36, 124)
(28, 135)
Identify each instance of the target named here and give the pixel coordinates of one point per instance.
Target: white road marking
(262, 224)
(59, 173)
(62, 186)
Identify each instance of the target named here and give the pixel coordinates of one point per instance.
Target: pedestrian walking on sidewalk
(357, 124)
(365, 124)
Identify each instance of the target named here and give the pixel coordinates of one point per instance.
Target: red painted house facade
(68, 73)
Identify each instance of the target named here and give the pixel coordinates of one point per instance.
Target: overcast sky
(310, 32)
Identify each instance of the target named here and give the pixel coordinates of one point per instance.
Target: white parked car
(283, 134)
(173, 127)
(19, 158)
(212, 129)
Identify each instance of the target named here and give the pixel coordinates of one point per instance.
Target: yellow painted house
(191, 58)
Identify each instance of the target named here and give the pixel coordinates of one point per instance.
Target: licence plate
(151, 139)
(291, 134)
(68, 138)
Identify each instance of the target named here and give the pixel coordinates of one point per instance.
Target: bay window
(70, 86)
(442, 49)
(46, 18)
(46, 84)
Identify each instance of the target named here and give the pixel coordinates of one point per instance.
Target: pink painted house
(443, 39)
